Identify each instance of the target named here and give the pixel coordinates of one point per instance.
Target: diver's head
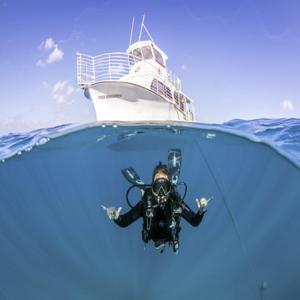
(161, 171)
(161, 185)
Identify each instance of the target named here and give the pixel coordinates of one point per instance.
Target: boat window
(158, 57)
(176, 97)
(131, 58)
(182, 101)
(137, 53)
(181, 105)
(160, 87)
(154, 85)
(168, 92)
(147, 52)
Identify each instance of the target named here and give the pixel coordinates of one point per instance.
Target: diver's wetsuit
(162, 217)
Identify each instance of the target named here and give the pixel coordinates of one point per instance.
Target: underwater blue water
(57, 243)
(283, 133)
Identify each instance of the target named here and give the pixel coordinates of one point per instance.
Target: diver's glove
(202, 204)
(112, 212)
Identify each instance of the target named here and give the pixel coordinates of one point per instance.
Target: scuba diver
(161, 206)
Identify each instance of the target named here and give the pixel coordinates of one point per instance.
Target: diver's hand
(202, 203)
(112, 212)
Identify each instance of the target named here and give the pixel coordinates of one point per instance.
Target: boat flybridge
(133, 86)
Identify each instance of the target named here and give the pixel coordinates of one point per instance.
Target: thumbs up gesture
(112, 212)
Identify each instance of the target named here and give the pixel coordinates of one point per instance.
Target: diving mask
(161, 187)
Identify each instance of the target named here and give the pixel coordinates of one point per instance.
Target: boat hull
(124, 101)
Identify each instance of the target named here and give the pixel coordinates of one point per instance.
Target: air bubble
(42, 141)
(101, 138)
(210, 135)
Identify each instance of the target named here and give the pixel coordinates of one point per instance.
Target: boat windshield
(137, 53)
(147, 52)
(158, 57)
(142, 53)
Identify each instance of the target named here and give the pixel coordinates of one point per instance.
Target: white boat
(135, 85)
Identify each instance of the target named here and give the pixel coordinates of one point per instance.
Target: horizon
(236, 60)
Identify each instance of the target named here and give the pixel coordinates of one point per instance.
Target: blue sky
(236, 59)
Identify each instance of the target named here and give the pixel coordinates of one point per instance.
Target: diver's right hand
(112, 212)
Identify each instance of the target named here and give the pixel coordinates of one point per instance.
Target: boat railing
(121, 66)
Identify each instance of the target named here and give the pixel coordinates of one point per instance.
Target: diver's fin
(174, 164)
(132, 176)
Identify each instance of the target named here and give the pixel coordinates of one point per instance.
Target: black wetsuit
(163, 216)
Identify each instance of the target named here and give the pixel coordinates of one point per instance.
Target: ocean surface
(57, 243)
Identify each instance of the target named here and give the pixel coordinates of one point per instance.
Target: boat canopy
(147, 50)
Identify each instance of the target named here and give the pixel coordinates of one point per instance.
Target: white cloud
(70, 90)
(50, 53)
(59, 98)
(49, 43)
(61, 91)
(58, 86)
(55, 55)
(287, 105)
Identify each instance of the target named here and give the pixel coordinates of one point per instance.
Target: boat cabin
(147, 50)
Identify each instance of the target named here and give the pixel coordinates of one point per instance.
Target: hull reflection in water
(57, 243)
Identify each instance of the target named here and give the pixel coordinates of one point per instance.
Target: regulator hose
(140, 186)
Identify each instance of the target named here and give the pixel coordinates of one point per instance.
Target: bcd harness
(150, 204)
(173, 210)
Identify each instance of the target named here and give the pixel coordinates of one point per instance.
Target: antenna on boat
(144, 27)
(132, 25)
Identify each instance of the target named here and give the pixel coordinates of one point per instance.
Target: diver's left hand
(202, 203)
